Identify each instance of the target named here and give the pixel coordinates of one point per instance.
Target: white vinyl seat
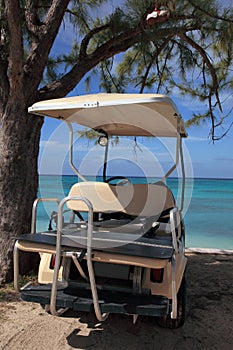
(144, 200)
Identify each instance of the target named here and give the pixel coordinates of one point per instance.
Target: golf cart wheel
(167, 321)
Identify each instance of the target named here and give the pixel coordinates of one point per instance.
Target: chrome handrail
(34, 210)
(53, 310)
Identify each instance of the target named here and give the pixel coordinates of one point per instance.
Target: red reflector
(52, 262)
(156, 275)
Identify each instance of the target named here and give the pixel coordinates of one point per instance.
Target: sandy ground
(209, 323)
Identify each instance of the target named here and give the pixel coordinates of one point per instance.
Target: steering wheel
(122, 180)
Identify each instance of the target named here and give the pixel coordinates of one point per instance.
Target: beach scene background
(208, 216)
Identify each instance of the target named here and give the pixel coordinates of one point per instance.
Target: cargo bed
(156, 247)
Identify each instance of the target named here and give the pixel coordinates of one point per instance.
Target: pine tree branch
(54, 17)
(153, 58)
(111, 77)
(87, 39)
(210, 14)
(217, 138)
(164, 66)
(117, 44)
(41, 46)
(31, 18)
(212, 118)
(75, 15)
(208, 63)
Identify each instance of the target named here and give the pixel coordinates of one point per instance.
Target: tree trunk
(19, 147)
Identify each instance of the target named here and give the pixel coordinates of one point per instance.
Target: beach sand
(209, 322)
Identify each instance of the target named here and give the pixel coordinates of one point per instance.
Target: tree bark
(20, 132)
(18, 179)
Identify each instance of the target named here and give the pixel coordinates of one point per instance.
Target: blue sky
(208, 159)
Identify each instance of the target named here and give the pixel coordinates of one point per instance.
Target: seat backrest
(137, 200)
(99, 194)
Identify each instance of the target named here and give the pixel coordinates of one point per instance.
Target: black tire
(167, 321)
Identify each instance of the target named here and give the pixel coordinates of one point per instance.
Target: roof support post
(71, 152)
(178, 143)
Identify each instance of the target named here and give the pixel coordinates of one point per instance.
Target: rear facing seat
(143, 200)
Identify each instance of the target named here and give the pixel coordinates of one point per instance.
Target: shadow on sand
(208, 321)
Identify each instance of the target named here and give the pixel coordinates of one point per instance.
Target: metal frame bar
(16, 267)
(137, 280)
(34, 210)
(178, 141)
(183, 176)
(71, 152)
(105, 162)
(78, 266)
(174, 293)
(100, 317)
(33, 230)
(179, 157)
(178, 148)
(174, 223)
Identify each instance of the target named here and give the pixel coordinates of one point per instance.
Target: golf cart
(122, 249)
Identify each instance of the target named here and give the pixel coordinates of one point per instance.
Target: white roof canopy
(117, 114)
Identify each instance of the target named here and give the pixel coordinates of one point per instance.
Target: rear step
(110, 302)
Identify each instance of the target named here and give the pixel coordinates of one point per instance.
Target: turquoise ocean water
(208, 217)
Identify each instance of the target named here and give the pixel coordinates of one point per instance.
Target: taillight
(156, 275)
(52, 262)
